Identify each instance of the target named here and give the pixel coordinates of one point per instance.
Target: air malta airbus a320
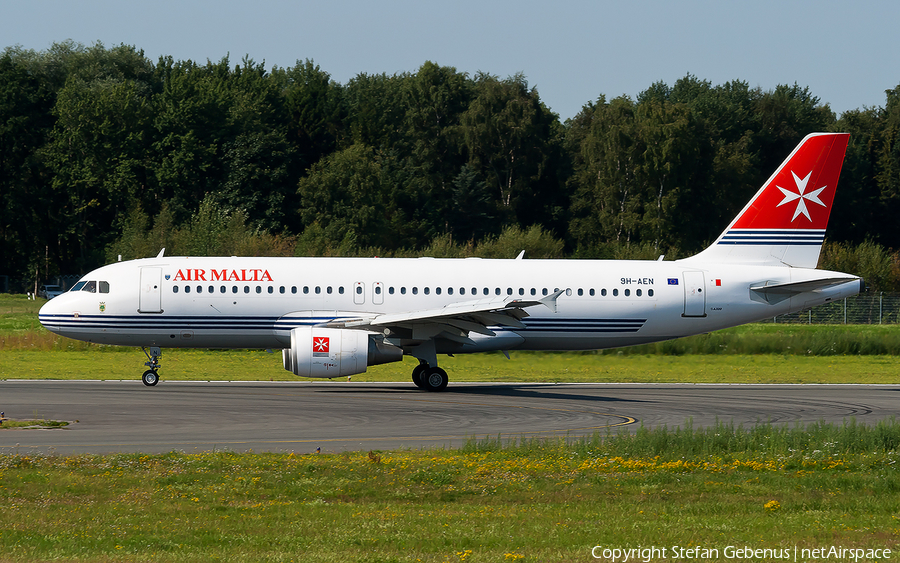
(336, 316)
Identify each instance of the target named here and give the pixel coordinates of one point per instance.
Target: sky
(572, 51)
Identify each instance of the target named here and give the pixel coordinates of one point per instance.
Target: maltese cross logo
(801, 198)
(320, 344)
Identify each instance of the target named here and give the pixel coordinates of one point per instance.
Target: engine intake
(336, 352)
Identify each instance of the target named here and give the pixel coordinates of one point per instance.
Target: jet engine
(335, 352)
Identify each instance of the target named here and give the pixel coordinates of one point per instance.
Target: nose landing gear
(151, 376)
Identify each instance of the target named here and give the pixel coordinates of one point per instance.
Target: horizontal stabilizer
(793, 288)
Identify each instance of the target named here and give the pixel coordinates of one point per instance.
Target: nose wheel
(151, 376)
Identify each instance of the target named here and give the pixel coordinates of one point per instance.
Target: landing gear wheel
(150, 378)
(418, 375)
(434, 379)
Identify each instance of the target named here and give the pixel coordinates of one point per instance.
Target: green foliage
(878, 266)
(105, 152)
(535, 241)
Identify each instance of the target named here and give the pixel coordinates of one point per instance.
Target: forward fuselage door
(694, 294)
(359, 293)
(151, 293)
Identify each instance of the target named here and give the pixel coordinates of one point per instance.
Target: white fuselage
(183, 302)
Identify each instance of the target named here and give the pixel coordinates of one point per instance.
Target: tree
(514, 142)
(344, 196)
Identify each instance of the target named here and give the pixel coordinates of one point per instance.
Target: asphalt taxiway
(125, 416)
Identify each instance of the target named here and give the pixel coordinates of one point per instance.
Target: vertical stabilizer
(784, 224)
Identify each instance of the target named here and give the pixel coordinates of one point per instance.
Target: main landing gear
(429, 378)
(151, 376)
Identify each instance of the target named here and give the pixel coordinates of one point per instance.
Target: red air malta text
(197, 274)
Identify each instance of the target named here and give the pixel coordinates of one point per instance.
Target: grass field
(762, 488)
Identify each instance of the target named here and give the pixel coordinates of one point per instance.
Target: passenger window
(187, 289)
(638, 293)
(462, 291)
(427, 290)
(649, 293)
(592, 292)
(341, 290)
(211, 289)
(509, 291)
(271, 289)
(377, 290)
(603, 293)
(627, 292)
(281, 290)
(521, 291)
(487, 291)
(391, 290)
(415, 290)
(615, 293)
(580, 292)
(328, 290)
(234, 289)
(294, 289)
(544, 291)
(318, 290)
(449, 291)
(496, 291)
(305, 290)
(104, 287)
(174, 289)
(246, 289)
(402, 291)
(533, 291)
(359, 290)
(258, 289)
(437, 291)
(222, 289)
(199, 289)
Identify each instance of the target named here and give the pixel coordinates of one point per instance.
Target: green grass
(525, 367)
(8, 424)
(537, 500)
(759, 353)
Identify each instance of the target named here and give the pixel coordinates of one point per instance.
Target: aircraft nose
(50, 314)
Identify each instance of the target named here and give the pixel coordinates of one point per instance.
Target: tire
(150, 378)
(417, 375)
(434, 379)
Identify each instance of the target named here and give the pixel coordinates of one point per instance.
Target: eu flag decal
(673, 281)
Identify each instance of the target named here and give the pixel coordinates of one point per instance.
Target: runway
(125, 416)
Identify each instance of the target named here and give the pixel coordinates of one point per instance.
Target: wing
(452, 322)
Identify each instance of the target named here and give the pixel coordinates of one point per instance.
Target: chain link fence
(869, 308)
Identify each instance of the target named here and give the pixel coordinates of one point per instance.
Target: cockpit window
(104, 287)
(90, 287)
(78, 286)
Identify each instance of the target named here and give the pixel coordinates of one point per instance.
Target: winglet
(161, 252)
(550, 300)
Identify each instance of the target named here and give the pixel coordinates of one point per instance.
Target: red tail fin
(784, 223)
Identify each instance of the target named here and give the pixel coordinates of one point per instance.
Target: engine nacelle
(335, 352)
